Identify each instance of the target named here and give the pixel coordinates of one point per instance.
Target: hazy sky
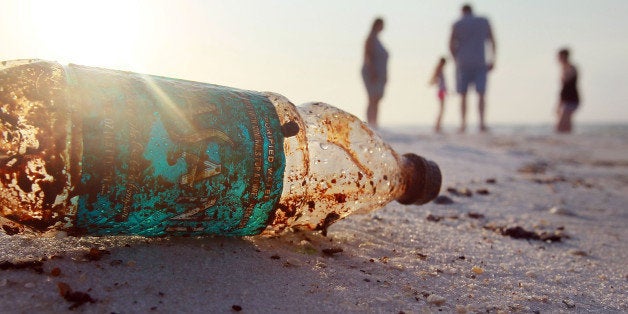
(312, 50)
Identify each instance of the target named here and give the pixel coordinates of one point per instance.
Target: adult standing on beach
(374, 70)
(467, 45)
(569, 96)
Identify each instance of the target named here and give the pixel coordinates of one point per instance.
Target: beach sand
(537, 224)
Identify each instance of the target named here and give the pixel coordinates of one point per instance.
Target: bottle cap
(423, 180)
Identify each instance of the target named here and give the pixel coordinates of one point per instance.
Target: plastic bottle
(101, 152)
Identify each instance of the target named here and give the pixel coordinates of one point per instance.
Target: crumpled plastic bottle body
(335, 166)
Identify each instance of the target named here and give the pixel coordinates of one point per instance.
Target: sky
(313, 50)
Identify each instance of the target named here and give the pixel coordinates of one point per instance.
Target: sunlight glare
(170, 106)
(86, 32)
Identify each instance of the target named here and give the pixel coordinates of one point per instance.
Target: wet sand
(526, 223)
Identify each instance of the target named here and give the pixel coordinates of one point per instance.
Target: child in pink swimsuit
(439, 79)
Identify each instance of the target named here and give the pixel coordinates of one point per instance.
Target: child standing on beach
(438, 78)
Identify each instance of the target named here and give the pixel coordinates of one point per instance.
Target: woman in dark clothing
(569, 97)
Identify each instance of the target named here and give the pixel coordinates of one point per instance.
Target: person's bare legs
(463, 113)
(568, 114)
(371, 111)
(564, 120)
(481, 106)
(437, 127)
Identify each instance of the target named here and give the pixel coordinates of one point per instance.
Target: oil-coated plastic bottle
(102, 152)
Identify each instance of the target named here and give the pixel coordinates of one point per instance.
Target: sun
(94, 33)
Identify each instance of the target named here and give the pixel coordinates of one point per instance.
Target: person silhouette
(569, 97)
(374, 71)
(438, 79)
(467, 46)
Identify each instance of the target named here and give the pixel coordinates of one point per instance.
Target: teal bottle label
(169, 157)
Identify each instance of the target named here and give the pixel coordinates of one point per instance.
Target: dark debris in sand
(518, 232)
(77, 298)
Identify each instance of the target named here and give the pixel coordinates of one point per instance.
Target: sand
(564, 195)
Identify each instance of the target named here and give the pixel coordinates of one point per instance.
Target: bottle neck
(422, 180)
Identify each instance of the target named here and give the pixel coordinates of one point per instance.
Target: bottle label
(170, 157)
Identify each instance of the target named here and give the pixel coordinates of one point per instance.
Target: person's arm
(434, 78)
(453, 44)
(367, 52)
(368, 58)
(491, 39)
(568, 73)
